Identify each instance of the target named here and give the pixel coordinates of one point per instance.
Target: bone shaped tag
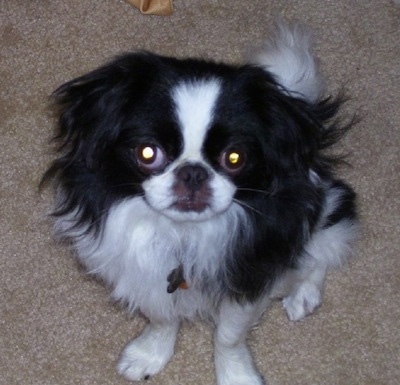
(176, 280)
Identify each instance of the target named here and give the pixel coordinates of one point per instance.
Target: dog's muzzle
(192, 188)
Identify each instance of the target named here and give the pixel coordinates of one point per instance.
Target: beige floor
(56, 324)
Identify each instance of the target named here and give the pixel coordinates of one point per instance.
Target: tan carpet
(56, 324)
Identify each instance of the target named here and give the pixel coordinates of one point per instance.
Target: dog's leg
(147, 355)
(233, 362)
(329, 248)
(306, 296)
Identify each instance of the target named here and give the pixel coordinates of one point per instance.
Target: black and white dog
(199, 189)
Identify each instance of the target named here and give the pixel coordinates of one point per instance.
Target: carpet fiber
(56, 324)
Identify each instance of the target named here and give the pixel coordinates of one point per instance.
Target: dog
(198, 189)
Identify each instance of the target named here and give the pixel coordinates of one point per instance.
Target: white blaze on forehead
(195, 102)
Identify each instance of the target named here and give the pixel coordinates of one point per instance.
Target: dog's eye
(150, 157)
(232, 160)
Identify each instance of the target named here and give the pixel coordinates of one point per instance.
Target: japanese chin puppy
(200, 189)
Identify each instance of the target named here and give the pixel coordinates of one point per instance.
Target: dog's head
(191, 138)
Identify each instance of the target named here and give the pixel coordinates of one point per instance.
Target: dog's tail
(288, 55)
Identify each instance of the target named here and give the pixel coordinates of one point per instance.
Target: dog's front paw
(303, 301)
(138, 364)
(234, 366)
(148, 354)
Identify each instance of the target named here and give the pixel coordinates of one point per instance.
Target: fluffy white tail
(287, 54)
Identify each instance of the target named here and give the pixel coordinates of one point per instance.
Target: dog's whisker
(263, 192)
(251, 208)
(128, 184)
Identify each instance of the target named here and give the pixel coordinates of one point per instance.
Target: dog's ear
(91, 111)
(305, 133)
(91, 108)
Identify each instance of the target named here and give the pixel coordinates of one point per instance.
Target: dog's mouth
(193, 202)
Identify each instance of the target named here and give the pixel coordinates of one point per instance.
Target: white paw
(148, 354)
(302, 302)
(234, 366)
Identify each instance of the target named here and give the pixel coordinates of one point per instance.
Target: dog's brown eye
(232, 160)
(150, 157)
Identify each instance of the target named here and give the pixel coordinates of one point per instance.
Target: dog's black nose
(192, 175)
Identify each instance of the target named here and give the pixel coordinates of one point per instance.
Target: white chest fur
(139, 248)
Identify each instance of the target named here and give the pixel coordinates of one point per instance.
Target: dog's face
(195, 184)
(198, 182)
(191, 138)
